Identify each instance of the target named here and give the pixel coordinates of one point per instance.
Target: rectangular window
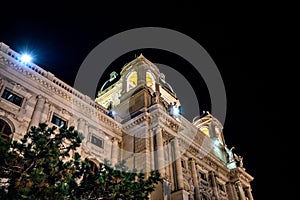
(11, 97)
(58, 121)
(99, 142)
(203, 176)
(221, 187)
(182, 163)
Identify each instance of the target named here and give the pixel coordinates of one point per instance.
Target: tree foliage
(44, 164)
(117, 183)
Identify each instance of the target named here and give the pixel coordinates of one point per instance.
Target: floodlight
(26, 58)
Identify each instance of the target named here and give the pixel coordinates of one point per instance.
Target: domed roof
(168, 87)
(140, 60)
(110, 81)
(165, 84)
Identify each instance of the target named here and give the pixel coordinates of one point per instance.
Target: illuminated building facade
(135, 117)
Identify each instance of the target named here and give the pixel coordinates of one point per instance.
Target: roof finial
(141, 56)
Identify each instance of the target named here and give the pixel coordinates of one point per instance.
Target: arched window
(150, 80)
(205, 130)
(132, 80)
(93, 166)
(5, 130)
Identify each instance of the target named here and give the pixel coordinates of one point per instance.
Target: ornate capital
(115, 140)
(192, 160)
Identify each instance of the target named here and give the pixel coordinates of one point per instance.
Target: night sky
(60, 37)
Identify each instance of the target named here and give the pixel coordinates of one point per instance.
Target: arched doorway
(5, 130)
(94, 166)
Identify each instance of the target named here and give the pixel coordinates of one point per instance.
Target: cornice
(41, 79)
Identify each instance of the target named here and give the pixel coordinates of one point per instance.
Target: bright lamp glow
(217, 141)
(26, 58)
(113, 113)
(175, 111)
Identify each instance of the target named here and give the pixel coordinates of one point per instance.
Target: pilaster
(37, 112)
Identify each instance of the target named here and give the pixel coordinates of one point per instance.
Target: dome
(165, 84)
(168, 87)
(110, 82)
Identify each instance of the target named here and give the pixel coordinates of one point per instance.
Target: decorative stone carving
(229, 152)
(239, 160)
(74, 105)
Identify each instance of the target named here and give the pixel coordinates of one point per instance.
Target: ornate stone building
(136, 118)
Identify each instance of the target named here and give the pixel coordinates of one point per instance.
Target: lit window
(150, 80)
(132, 80)
(205, 130)
(99, 142)
(11, 97)
(58, 121)
(5, 130)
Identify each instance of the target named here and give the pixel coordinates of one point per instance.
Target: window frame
(94, 166)
(130, 85)
(97, 138)
(15, 95)
(59, 118)
(7, 136)
(203, 177)
(152, 77)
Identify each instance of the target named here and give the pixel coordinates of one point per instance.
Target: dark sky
(61, 36)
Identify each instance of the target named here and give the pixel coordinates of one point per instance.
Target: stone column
(141, 75)
(115, 151)
(81, 126)
(249, 193)
(46, 111)
(171, 165)
(2, 85)
(231, 191)
(37, 112)
(240, 190)
(214, 184)
(160, 152)
(152, 158)
(179, 175)
(195, 179)
(167, 159)
(157, 94)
